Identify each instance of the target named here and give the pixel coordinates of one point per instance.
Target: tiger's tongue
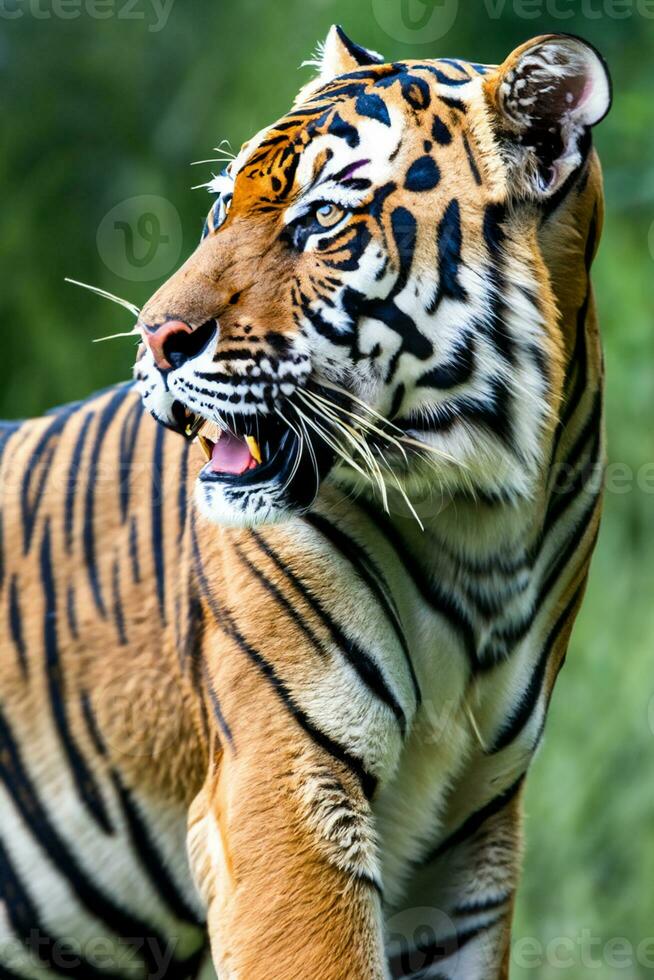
(231, 455)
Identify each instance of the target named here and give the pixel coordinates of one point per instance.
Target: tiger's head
(371, 303)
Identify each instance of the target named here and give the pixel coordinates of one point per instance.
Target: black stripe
(24, 918)
(128, 437)
(505, 640)
(456, 370)
(182, 493)
(71, 612)
(223, 619)
(156, 500)
(492, 412)
(440, 132)
(134, 550)
(218, 711)
(370, 573)
(341, 129)
(454, 103)
(344, 91)
(106, 417)
(529, 698)
(373, 107)
(73, 477)
(91, 724)
(565, 555)
(449, 242)
(478, 906)
(119, 616)
(471, 161)
(574, 390)
(37, 471)
(475, 821)
(561, 498)
(441, 77)
(19, 786)
(438, 951)
(16, 626)
(405, 235)
(87, 788)
(508, 637)
(366, 668)
(280, 598)
(150, 860)
(553, 202)
(439, 601)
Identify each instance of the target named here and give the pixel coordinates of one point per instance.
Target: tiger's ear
(337, 55)
(544, 99)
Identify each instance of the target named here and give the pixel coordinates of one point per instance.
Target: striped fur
(294, 723)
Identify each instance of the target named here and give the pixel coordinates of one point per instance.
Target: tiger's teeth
(206, 446)
(194, 426)
(253, 446)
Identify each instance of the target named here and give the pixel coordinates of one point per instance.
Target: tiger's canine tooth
(194, 427)
(206, 446)
(253, 446)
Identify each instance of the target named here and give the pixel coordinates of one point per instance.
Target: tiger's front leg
(455, 920)
(281, 836)
(281, 846)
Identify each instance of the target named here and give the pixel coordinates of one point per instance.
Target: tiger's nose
(169, 343)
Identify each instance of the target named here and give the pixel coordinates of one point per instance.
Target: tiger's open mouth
(252, 451)
(249, 451)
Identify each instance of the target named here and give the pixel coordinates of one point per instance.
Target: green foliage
(96, 111)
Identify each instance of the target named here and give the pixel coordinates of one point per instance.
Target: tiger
(282, 615)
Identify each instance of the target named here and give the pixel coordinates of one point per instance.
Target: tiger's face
(369, 303)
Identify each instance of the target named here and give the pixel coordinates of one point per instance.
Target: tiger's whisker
(406, 498)
(333, 444)
(115, 336)
(357, 440)
(401, 438)
(298, 455)
(196, 163)
(312, 453)
(363, 404)
(398, 442)
(105, 295)
(357, 418)
(225, 147)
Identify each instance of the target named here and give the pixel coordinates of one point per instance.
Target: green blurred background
(104, 106)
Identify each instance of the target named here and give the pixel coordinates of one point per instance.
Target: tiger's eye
(329, 215)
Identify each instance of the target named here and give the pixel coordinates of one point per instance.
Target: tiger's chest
(473, 630)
